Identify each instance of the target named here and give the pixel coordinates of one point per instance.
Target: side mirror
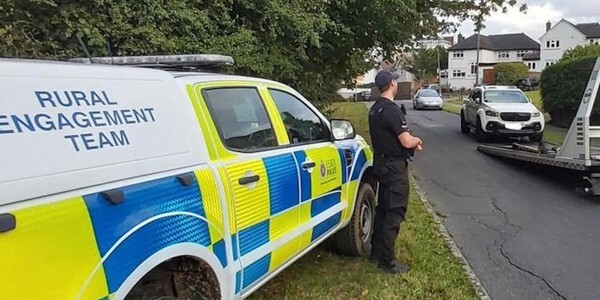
(342, 130)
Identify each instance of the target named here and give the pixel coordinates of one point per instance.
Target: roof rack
(183, 62)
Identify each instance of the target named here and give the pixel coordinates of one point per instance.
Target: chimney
(460, 38)
(548, 25)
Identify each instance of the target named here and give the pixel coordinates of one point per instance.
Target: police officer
(393, 144)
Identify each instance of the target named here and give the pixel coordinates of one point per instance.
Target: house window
(531, 65)
(473, 68)
(503, 55)
(552, 44)
(550, 62)
(458, 73)
(521, 53)
(458, 54)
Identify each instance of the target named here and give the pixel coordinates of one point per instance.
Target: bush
(562, 87)
(581, 52)
(510, 73)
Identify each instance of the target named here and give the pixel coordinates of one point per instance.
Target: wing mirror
(342, 130)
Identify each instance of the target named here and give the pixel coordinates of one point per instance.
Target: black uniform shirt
(386, 122)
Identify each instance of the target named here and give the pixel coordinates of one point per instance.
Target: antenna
(83, 46)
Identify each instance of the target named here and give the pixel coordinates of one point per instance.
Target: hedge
(510, 73)
(562, 86)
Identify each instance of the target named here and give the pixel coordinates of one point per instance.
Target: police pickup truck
(122, 181)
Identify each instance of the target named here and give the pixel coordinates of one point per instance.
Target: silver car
(427, 98)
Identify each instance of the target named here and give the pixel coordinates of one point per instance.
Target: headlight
(536, 114)
(491, 113)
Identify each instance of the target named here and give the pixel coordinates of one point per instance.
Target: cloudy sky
(539, 12)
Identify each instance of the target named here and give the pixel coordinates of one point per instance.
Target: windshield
(428, 93)
(504, 97)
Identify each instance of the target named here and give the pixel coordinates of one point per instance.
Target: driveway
(524, 231)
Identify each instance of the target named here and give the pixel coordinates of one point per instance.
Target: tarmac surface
(524, 230)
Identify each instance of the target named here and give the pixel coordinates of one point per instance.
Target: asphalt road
(524, 231)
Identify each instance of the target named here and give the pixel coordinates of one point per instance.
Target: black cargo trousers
(392, 174)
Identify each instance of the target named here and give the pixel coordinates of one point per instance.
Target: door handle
(248, 179)
(308, 165)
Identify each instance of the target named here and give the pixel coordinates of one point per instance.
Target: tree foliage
(424, 62)
(312, 45)
(562, 87)
(510, 73)
(581, 52)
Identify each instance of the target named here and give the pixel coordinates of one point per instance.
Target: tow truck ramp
(577, 152)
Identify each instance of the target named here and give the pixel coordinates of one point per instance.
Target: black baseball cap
(384, 78)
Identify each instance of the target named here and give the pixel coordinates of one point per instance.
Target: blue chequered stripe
(283, 182)
(254, 237)
(325, 226)
(305, 183)
(256, 270)
(361, 160)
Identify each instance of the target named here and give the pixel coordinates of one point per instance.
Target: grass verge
(435, 272)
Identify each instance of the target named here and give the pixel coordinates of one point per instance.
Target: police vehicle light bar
(184, 60)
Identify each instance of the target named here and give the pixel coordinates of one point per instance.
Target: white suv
(501, 111)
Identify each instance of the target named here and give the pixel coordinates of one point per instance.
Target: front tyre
(464, 127)
(538, 137)
(355, 239)
(482, 137)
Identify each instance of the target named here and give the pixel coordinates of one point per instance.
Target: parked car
(427, 98)
(527, 84)
(126, 182)
(501, 111)
(363, 96)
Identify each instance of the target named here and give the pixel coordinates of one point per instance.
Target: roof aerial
(190, 62)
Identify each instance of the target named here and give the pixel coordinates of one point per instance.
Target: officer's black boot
(393, 267)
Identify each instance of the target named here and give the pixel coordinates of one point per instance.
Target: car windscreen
(504, 97)
(428, 93)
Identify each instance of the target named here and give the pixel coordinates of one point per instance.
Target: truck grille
(515, 117)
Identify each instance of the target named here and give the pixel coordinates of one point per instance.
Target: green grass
(452, 107)
(536, 99)
(434, 274)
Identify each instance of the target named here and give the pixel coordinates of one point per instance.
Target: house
(493, 49)
(565, 35)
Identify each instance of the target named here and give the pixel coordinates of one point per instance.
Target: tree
(313, 45)
(581, 52)
(424, 62)
(510, 73)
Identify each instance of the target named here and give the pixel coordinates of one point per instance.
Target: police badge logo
(323, 170)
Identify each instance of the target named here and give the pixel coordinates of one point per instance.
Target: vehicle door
(261, 179)
(320, 164)
(473, 105)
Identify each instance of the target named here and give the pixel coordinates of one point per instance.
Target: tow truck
(579, 152)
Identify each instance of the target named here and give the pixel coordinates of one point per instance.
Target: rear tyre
(482, 137)
(464, 127)
(538, 137)
(355, 239)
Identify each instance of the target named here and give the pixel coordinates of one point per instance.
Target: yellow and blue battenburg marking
(66, 242)
(167, 213)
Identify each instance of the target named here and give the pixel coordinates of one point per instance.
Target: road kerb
(479, 289)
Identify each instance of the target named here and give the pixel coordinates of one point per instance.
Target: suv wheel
(538, 137)
(355, 239)
(481, 135)
(464, 127)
